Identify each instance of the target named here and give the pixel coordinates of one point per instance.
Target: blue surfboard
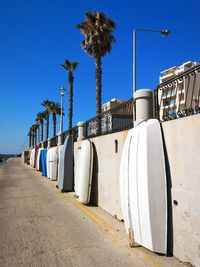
(66, 166)
(43, 158)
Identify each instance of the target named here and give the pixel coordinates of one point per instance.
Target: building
(116, 114)
(179, 90)
(111, 104)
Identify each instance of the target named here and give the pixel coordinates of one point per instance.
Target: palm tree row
(97, 30)
(50, 107)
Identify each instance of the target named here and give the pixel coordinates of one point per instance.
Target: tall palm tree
(98, 39)
(70, 67)
(56, 110)
(37, 120)
(40, 121)
(42, 117)
(47, 104)
(30, 137)
(34, 128)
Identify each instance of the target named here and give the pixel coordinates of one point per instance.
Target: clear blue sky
(37, 36)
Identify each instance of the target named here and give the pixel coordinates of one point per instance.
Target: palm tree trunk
(54, 123)
(98, 90)
(32, 137)
(35, 137)
(47, 128)
(42, 130)
(70, 112)
(38, 133)
(29, 140)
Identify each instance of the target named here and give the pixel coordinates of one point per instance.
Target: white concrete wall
(182, 139)
(105, 189)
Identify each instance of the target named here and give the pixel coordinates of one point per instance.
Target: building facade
(179, 90)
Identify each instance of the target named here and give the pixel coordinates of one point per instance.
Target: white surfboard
(84, 169)
(77, 169)
(47, 162)
(38, 161)
(143, 189)
(32, 157)
(52, 163)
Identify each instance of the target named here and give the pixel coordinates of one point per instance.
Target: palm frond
(97, 30)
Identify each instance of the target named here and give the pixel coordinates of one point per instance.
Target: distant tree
(56, 110)
(34, 128)
(37, 120)
(42, 117)
(98, 33)
(40, 121)
(47, 104)
(70, 67)
(30, 137)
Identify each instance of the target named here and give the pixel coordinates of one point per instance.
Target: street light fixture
(62, 92)
(162, 32)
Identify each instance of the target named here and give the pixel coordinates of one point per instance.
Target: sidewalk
(40, 226)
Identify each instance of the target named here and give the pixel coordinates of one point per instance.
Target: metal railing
(179, 96)
(116, 119)
(73, 132)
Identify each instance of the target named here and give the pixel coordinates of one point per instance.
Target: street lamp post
(62, 92)
(163, 32)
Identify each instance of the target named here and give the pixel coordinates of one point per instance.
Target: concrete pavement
(40, 226)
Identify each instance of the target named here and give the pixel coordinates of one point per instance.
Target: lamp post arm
(146, 30)
(163, 32)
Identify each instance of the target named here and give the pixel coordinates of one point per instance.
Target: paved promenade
(39, 226)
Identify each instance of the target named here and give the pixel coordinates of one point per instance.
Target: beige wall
(182, 139)
(105, 188)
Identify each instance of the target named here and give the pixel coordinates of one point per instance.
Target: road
(40, 226)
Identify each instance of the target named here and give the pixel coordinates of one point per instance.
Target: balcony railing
(179, 96)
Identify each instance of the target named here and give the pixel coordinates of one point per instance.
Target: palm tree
(34, 128)
(30, 136)
(47, 104)
(37, 120)
(70, 67)
(56, 110)
(40, 121)
(42, 117)
(97, 30)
